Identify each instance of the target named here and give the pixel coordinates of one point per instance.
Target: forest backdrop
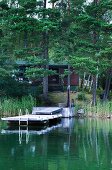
(78, 32)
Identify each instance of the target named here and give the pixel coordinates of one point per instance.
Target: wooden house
(56, 82)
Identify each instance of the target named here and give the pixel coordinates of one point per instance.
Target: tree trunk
(52, 5)
(68, 7)
(45, 56)
(45, 85)
(95, 39)
(68, 88)
(25, 39)
(68, 96)
(94, 91)
(107, 85)
(81, 83)
(46, 67)
(68, 83)
(94, 77)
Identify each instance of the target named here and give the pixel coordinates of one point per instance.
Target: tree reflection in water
(73, 144)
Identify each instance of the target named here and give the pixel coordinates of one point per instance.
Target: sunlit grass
(12, 107)
(100, 110)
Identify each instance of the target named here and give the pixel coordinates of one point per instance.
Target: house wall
(55, 82)
(55, 79)
(74, 79)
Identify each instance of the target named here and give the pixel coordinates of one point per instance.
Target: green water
(72, 145)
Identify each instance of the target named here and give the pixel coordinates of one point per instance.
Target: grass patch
(100, 110)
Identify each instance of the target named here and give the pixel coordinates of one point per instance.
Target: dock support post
(27, 113)
(19, 117)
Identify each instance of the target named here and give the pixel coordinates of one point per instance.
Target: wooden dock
(46, 110)
(39, 116)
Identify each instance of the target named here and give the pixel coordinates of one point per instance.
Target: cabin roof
(52, 64)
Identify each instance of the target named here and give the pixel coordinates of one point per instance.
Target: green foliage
(10, 87)
(110, 95)
(81, 96)
(78, 33)
(91, 39)
(36, 72)
(3, 72)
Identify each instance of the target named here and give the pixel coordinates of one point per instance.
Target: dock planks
(40, 115)
(46, 110)
(32, 117)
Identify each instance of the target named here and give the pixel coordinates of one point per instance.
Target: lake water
(83, 144)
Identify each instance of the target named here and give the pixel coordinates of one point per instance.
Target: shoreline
(94, 116)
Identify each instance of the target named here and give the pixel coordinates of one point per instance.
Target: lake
(74, 144)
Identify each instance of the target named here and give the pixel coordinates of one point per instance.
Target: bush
(81, 96)
(110, 95)
(35, 91)
(12, 88)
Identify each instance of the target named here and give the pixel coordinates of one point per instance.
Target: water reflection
(66, 124)
(23, 131)
(79, 144)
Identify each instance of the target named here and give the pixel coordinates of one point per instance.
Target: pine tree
(92, 24)
(30, 23)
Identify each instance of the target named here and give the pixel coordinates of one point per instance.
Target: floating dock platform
(46, 110)
(39, 116)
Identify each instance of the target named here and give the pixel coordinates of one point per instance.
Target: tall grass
(11, 107)
(100, 110)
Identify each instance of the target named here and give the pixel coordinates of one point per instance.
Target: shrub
(81, 96)
(12, 88)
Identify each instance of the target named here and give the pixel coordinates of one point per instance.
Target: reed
(100, 110)
(11, 107)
